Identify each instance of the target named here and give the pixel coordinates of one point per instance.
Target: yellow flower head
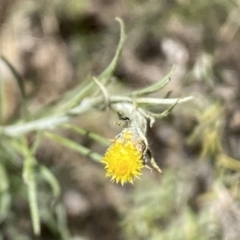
(123, 159)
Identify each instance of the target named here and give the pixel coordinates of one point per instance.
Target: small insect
(128, 154)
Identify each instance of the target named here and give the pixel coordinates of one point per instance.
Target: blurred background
(54, 45)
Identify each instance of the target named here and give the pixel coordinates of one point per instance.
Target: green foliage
(173, 209)
(18, 154)
(163, 211)
(74, 146)
(18, 145)
(209, 130)
(155, 87)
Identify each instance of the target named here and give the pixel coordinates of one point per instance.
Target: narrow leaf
(155, 87)
(20, 83)
(108, 72)
(87, 133)
(106, 75)
(74, 146)
(51, 180)
(164, 113)
(29, 177)
(61, 221)
(5, 197)
(30, 180)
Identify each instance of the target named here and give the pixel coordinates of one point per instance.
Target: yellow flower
(124, 158)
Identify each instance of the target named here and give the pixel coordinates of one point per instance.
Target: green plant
(17, 153)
